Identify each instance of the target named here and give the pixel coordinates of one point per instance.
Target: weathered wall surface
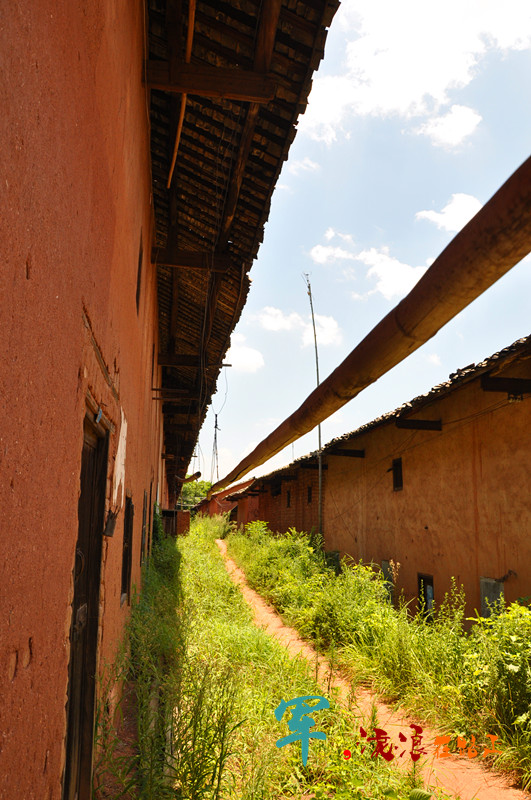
(74, 197)
(248, 510)
(464, 508)
(293, 503)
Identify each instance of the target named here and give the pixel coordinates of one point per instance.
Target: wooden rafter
(514, 386)
(340, 451)
(178, 360)
(419, 424)
(191, 259)
(187, 57)
(265, 42)
(207, 81)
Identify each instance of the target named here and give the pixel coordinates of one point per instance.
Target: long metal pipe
(496, 239)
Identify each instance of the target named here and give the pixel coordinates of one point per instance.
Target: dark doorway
(426, 596)
(84, 627)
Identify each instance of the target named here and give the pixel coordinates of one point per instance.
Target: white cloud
(449, 130)
(274, 319)
(460, 209)
(406, 58)
(242, 357)
(324, 254)
(393, 278)
(327, 330)
(434, 359)
(304, 165)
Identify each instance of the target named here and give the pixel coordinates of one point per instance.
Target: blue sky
(420, 111)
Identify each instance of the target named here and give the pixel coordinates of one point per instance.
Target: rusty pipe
(496, 239)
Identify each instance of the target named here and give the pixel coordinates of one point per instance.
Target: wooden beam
(267, 31)
(265, 41)
(312, 466)
(207, 81)
(172, 398)
(191, 259)
(176, 427)
(187, 58)
(174, 314)
(419, 424)
(178, 360)
(185, 360)
(348, 453)
(168, 391)
(509, 385)
(180, 406)
(236, 179)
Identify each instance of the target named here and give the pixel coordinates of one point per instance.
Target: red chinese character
(416, 750)
(402, 738)
(442, 740)
(382, 740)
(487, 751)
(472, 752)
(346, 754)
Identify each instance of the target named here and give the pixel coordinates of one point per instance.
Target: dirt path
(467, 780)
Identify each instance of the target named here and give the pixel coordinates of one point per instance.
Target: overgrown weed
(468, 683)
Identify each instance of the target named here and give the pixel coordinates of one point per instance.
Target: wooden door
(84, 628)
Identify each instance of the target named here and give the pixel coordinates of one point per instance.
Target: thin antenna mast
(320, 457)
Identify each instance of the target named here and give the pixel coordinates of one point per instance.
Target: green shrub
(473, 683)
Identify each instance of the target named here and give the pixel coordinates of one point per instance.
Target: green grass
(222, 631)
(466, 684)
(207, 684)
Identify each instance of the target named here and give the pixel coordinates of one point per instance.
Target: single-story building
(435, 490)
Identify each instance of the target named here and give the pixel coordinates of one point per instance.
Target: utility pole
(319, 457)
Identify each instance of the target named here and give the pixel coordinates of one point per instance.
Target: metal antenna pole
(320, 457)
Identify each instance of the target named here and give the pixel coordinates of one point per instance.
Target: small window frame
(426, 595)
(398, 476)
(127, 551)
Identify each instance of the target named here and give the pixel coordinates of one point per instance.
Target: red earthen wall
(75, 197)
(300, 514)
(464, 508)
(248, 511)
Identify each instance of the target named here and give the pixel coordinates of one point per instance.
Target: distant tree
(193, 492)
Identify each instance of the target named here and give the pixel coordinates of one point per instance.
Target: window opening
(492, 595)
(288, 499)
(139, 273)
(388, 578)
(398, 482)
(127, 550)
(144, 530)
(426, 595)
(309, 494)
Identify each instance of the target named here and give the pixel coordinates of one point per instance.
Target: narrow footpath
(464, 779)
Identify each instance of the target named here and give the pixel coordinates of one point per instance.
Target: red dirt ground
(467, 780)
